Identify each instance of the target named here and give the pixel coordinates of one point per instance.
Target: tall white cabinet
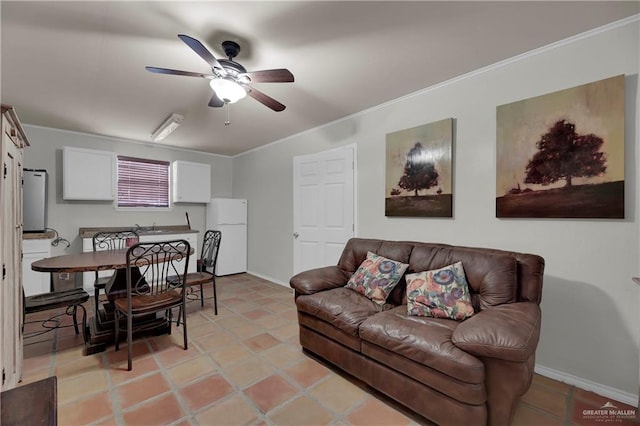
(13, 142)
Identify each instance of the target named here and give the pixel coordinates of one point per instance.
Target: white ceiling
(80, 65)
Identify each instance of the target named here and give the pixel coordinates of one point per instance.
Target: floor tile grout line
(274, 369)
(171, 391)
(116, 405)
(302, 390)
(62, 342)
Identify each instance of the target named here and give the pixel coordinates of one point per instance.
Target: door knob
(296, 235)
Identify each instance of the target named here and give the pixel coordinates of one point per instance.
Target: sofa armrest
(509, 332)
(319, 279)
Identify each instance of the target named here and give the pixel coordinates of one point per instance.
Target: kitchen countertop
(47, 235)
(159, 230)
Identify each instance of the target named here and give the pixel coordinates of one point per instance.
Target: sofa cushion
(376, 277)
(441, 293)
(424, 340)
(341, 307)
(356, 251)
(492, 276)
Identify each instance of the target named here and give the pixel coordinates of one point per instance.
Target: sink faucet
(137, 228)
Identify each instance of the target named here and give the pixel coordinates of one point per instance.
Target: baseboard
(273, 280)
(609, 392)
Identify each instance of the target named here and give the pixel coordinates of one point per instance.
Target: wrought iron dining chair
(206, 262)
(150, 291)
(119, 240)
(69, 299)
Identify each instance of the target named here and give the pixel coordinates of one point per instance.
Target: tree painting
(564, 154)
(419, 170)
(561, 155)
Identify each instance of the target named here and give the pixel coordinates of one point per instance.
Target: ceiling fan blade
(215, 101)
(264, 99)
(281, 75)
(178, 72)
(203, 52)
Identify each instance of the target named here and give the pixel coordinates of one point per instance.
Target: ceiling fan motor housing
(231, 67)
(231, 49)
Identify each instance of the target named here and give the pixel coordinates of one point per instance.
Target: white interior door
(323, 207)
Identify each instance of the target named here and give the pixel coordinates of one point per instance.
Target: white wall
(67, 217)
(590, 306)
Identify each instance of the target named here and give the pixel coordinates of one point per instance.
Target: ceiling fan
(230, 80)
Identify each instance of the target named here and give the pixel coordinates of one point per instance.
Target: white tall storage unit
(229, 216)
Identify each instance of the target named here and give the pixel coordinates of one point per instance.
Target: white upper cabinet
(191, 182)
(88, 174)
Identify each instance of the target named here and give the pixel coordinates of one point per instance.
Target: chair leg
(129, 341)
(84, 323)
(215, 297)
(117, 321)
(75, 319)
(201, 297)
(184, 326)
(96, 295)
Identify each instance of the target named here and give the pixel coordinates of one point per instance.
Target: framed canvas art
(418, 171)
(561, 155)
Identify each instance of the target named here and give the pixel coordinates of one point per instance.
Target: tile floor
(243, 367)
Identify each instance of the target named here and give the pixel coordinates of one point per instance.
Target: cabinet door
(34, 282)
(191, 182)
(192, 238)
(88, 174)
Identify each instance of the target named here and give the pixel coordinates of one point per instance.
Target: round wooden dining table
(100, 330)
(83, 262)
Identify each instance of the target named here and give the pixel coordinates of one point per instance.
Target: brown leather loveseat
(469, 372)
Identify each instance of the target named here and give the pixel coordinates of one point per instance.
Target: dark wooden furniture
(149, 290)
(71, 299)
(208, 258)
(82, 262)
(31, 404)
(116, 240)
(100, 328)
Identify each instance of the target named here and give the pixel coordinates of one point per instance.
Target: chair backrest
(149, 266)
(118, 240)
(114, 240)
(210, 248)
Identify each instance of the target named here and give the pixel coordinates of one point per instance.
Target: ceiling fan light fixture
(227, 90)
(168, 126)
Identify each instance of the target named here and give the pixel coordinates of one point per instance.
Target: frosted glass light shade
(227, 90)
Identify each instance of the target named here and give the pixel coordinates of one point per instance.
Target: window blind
(142, 182)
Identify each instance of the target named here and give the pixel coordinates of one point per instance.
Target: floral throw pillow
(441, 293)
(376, 277)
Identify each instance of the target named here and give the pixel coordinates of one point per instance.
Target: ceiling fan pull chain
(227, 119)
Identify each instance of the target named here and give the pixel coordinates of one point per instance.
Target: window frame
(166, 163)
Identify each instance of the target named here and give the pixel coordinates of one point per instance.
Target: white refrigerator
(229, 216)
